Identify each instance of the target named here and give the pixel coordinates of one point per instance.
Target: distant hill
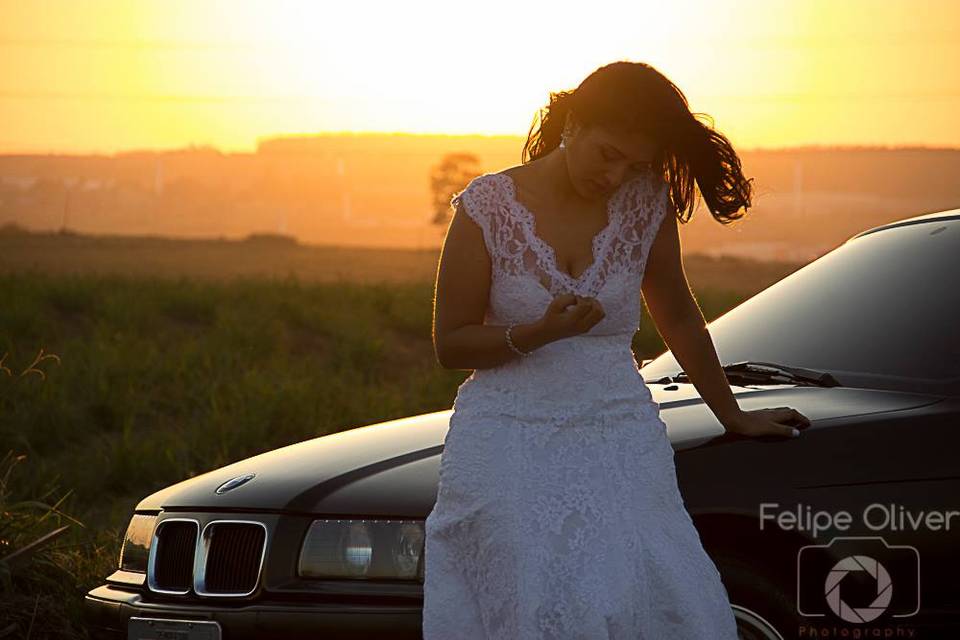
(374, 190)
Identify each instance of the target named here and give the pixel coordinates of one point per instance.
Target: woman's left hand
(777, 421)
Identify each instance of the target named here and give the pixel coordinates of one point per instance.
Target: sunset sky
(111, 75)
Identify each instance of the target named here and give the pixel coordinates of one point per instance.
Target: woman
(558, 514)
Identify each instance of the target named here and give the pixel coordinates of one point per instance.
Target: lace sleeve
(472, 200)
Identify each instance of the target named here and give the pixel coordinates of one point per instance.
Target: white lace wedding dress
(558, 514)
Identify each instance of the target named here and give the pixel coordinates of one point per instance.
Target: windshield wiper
(756, 371)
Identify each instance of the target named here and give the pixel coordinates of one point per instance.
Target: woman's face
(600, 160)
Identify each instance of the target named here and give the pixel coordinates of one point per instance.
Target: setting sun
(111, 75)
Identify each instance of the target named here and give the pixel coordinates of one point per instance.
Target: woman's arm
(681, 324)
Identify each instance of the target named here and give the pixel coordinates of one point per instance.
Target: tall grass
(41, 568)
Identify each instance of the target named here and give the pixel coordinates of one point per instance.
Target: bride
(558, 513)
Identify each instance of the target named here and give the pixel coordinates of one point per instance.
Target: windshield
(880, 311)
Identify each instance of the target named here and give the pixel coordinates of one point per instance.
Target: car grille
(173, 567)
(222, 558)
(234, 551)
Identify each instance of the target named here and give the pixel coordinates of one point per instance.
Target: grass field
(174, 358)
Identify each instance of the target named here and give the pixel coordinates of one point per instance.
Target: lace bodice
(635, 212)
(560, 380)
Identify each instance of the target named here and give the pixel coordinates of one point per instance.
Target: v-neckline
(596, 242)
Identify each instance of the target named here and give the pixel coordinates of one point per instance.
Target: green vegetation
(156, 379)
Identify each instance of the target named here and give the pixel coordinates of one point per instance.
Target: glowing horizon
(107, 76)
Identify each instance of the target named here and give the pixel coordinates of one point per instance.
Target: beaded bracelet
(512, 346)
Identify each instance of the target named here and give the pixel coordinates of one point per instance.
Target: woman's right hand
(569, 315)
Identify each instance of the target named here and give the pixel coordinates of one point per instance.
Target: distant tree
(452, 174)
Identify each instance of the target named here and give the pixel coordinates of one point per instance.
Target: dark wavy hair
(635, 97)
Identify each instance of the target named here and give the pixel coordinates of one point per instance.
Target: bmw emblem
(233, 483)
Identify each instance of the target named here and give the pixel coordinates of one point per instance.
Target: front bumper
(108, 608)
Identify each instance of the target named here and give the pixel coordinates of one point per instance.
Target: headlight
(363, 549)
(136, 543)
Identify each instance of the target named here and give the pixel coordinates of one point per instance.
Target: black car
(852, 527)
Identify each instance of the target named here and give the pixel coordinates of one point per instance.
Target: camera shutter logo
(851, 564)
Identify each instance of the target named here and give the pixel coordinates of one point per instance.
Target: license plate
(168, 629)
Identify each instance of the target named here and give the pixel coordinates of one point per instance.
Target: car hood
(391, 468)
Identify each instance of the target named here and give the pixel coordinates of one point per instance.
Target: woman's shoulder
(478, 192)
(485, 181)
